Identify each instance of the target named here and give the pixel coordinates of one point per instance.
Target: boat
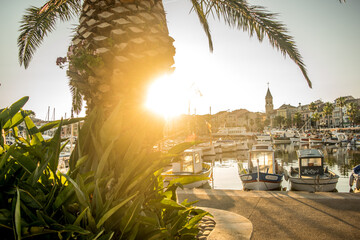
(263, 138)
(316, 139)
(261, 172)
(355, 178)
(278, 139)
(311, 175)
(190, 166)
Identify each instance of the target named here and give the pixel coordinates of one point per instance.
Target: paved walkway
(279, 215)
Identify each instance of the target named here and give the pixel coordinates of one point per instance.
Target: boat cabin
(262, 155)
(311, 162)
(191, 162)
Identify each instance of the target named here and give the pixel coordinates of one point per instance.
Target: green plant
(114, 189)
(118, 182)
(29, 182)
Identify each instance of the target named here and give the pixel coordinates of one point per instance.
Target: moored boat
(190, 167)
(310, 175)
(263, 138)
(261, 172)
(355, 178)
(316, 139)
(277, 139)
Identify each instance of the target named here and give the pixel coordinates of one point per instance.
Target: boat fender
(351, 180)
(357, 185)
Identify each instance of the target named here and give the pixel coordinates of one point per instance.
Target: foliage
(315, 118)
(313, 107)
(340, 102)
(38, 22)
(29, 182)
(118, 182)
(116, 201)
(278, 121)
(352, 110)
(328, 110)
(253, 19)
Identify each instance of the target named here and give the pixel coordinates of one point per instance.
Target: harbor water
(339, 159)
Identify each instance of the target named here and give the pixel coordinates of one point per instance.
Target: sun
(167, 96)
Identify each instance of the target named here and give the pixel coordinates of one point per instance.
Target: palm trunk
(342, 120)
(119, 48)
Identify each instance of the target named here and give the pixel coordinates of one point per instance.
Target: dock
(284, 215)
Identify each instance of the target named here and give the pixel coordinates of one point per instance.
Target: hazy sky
(234, 76)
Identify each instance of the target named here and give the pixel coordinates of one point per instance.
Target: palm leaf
(77, 98)
(202, 18)
(255, 19)
(38, 22)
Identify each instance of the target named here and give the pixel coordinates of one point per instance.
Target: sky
(236, 75)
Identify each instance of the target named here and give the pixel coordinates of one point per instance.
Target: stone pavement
(279, 215)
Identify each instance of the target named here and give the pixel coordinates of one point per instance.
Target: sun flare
(167, 97)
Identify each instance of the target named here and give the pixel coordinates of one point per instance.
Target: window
(311, 162)
(197, 158)
(187, 165)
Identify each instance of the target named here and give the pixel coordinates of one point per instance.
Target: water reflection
(340, 159)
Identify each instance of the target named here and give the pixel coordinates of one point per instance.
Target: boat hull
(326, 184)
(265, 182)
(282, 141)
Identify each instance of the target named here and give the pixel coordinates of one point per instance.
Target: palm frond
(38, 22)
(199, 9)
(77, 99)
(256, 20)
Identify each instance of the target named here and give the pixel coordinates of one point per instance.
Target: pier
(284, 215)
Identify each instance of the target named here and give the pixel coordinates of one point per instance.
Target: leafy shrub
(114, 189)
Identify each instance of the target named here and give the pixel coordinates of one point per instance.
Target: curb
(229, 226)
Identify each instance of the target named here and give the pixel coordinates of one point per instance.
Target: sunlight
(167, 96)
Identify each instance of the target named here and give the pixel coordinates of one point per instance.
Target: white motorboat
(311, 175)
(261, 172)
(190, 170)
(263, 138)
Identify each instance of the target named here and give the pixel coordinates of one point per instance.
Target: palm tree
(328, 110)
(118, 48)
(313, 107)
(352, 110)
(315, 117)
(340, 102)
(121, 45)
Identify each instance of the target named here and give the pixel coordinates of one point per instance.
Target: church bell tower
(269, 107)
